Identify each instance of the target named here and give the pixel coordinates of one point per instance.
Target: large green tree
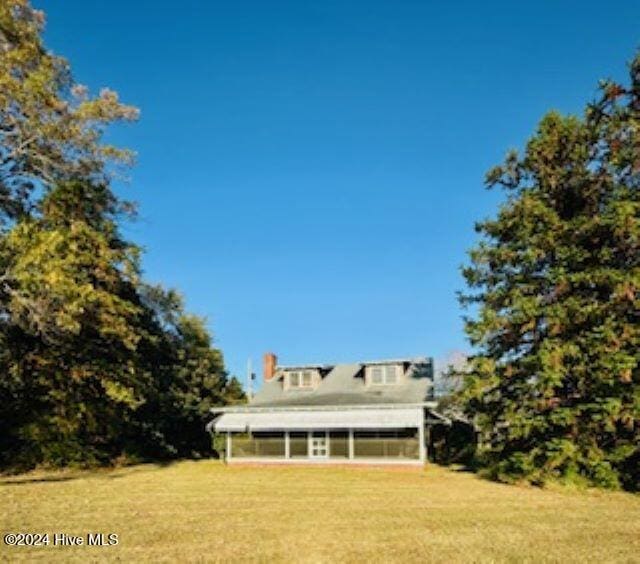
(94, 363)
(72, 327)
(554, 291)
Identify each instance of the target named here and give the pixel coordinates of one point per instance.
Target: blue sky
(309, 173)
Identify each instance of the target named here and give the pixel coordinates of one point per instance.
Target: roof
(344, 385)
(325, 366)
(380, 418)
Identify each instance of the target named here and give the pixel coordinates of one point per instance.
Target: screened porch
(331, 445)
(387, 434)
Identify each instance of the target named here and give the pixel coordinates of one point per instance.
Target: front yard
(208, 511)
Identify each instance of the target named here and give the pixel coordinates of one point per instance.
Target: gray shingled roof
(343, 384)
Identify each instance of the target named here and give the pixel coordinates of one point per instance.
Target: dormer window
(301, 379)
(383, 375)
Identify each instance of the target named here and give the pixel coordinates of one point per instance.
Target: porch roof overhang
(376, 418)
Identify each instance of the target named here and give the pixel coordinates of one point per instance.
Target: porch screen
(257, 444)
(387, 444)
(339, 444)
(298, 445)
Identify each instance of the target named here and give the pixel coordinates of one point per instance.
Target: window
(301, 379)
(391, 374)
(383, 375)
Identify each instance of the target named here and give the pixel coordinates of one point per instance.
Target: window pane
(306, 379)
(391, 375)
(376, 375)
(294, 379)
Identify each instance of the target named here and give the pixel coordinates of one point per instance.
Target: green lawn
(199, 511)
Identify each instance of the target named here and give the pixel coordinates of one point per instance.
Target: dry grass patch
(206, 511)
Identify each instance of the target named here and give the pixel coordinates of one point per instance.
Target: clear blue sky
(309, 172)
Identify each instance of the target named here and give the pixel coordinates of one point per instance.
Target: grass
(206, 511)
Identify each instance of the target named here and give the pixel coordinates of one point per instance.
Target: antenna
(249, 380)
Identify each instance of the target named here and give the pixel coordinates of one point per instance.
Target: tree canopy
(554, 295)
(95, 363)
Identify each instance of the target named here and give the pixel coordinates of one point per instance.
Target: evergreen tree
(555, 284)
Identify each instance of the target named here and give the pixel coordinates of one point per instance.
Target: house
(365, 412)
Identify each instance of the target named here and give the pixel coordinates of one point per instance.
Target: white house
(367, 412)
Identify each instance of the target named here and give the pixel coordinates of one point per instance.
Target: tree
(555, 287)
(50, 129)
(94, 362)
(54, 189)
(72, 321)
(190, 378)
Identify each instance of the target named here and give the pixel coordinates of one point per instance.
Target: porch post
(423, 449)
(427, 441)
(287, 445)
(351, 445)
(228, 453)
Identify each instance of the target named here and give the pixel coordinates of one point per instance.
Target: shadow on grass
(465, 468)
(460, 467)
(99, 472)
(25, 481)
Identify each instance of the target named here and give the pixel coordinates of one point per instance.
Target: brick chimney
(270, 363)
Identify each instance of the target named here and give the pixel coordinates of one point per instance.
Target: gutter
(277, 408)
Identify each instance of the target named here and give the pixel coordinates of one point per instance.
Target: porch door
(319, 444)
